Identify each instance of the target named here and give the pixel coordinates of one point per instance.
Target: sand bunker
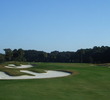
(21, 66)
(48, 74)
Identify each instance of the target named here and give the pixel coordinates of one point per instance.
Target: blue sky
(48, 25)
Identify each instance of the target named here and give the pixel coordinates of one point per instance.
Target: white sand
(11, 65)
(49, 74)
(22, 66)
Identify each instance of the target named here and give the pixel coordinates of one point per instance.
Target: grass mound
(16, 63)
(16, 72)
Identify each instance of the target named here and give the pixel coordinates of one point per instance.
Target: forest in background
(89, 55)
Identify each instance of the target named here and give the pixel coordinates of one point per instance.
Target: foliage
(8, 54)
(92, 55)
(2, 58)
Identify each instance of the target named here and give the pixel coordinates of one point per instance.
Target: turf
(92, 82)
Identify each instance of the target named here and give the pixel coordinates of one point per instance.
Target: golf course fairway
(88, 82)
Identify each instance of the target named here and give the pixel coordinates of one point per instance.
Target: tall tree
(2, 58)
(15, 55)
(21, 55)
(8, 54)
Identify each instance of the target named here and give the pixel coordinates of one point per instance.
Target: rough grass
(12, 72)
(91, 83)
(16, 72)
(15, 63)
(37, 70)
(104, 65)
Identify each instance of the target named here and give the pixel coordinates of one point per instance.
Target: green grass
(91, 83)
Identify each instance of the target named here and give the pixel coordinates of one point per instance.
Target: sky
(48, 25)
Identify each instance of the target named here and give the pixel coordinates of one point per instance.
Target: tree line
(90, 55)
